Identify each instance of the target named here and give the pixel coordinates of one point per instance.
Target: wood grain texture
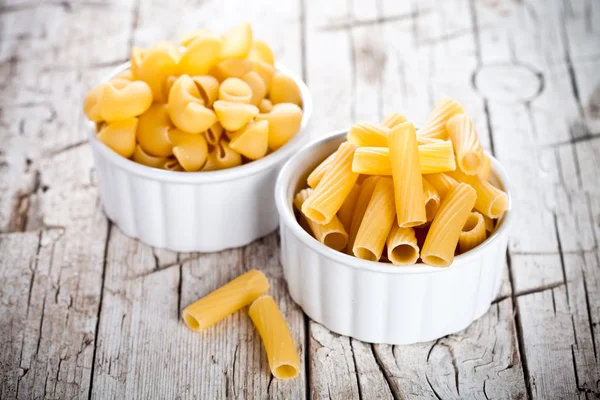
(88, 312)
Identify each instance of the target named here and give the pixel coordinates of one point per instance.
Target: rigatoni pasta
(402, 248)
(491, 201)
(473, 232)
(318, 173)
(469, 153)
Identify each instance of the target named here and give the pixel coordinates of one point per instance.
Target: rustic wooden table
(87, 312)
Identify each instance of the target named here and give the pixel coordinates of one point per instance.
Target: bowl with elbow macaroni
(188, 140)
(402, 273)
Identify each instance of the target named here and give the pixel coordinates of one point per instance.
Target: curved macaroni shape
(393, 119)
(141, 157)
(190, 150)
(231, 69)
(332, 234)
(257, 85)
(277, 339)
(265, 106)
(214, 134)
(473, 232)
(173, 165)
(120, 136)
(137, 55)
(252, 141)
(189, 37)
(260, 51)
(406, 172)
(469, 153)
(284, 90)
(234, 116)
(284, 122)
(402, 247)
(153, 131)
(158, 63)
(265, 71)
(121, 99)
(444, 232)
(186, 107)
(367, 134)
(222, 157)
(237, 42)
(91, 104)
(208, 86)
(202, 54)
(435, 125)
(126, 75)
(235, 90)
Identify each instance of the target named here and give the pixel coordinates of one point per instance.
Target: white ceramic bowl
(376, 302)
(194, 211)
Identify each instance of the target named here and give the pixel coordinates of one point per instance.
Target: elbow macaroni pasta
(224, 89)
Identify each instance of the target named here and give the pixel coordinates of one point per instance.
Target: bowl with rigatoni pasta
(188, 139)
(391, 234)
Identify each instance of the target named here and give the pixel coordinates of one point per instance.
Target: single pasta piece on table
(362, 201)
(402, 248)
(226, 300)
(330, 194)
(406, 171)
(491, 201)
(368, 134)
(469, 153)
(275, 333)
(376, 223)
(393, 119)
(473, 232)
(435, 125)
(346, 212)
(432, 200)
(331, 234)
(444, 232)
(319, 172)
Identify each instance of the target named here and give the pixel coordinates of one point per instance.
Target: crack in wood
(538, 289)
(432, 389)
(561, 255)
(355, 23)
(67, 148)
(360, 394)
(386, 375)
(589, 312)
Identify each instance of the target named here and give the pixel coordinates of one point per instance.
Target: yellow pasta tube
(214, 133)
(153, 131)
(231, 69)
(235, 90)
(393, 119)
(190, 150)
(402, 248)
(333, 189)
(469, 153)
(265, 71)
(260, 51)
(491, 201)
(376, 223)
(208, 87)
(331, 234)
(435, 125)
(186, 107)
(489, 224)
(432, 200)
(265, 106)
(252, 141)
(222, 157)
(368, 134)
(201, 55)
(275, 334)
(486, 167)
(284, 122)
(284, 90)
(157, 64)
(473, 232)
(120, 136)
(442, 183)
(442, 238)
(259, 90)
(234, 116)
(346, 212)
(236, 42)
(226, 300)
(433, 158)
(141, 157)
(406, 171)
(362, 201)
(319, 172)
